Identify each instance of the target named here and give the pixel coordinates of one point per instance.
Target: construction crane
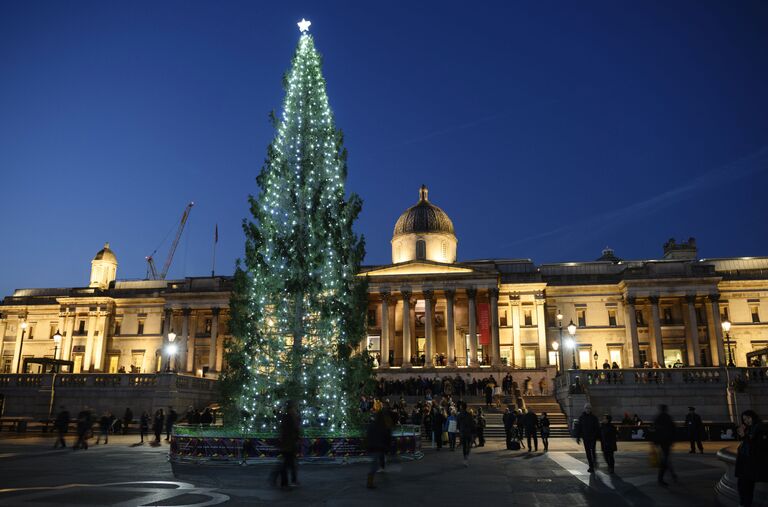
(152, 273)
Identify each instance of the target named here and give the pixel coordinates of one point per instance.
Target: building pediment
(417, 268)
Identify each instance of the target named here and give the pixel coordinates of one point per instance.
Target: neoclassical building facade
(426, 310)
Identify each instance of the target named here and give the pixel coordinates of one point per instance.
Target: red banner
(484, 323)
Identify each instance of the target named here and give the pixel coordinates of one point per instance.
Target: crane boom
(151, 269)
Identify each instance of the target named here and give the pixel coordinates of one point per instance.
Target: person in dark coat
(509, 421)
(608, 437)
(520, 426)
(531, 423)
(144, 425)
(664, 437)
(379, 440)
(544, 425)
(695, 427)
(170, 420)
(104, 423)
(751, 457)
(157, 424)
(84, 424)
(437, 426)
(290, 433)
(480, 428)
(588, 429)
(488, 391)
(62, 426)
(466, 425)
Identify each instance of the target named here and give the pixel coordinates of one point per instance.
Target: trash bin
(21, 427)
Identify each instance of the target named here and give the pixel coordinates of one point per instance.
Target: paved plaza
(125, 474)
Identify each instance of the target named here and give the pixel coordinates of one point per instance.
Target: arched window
(421, 249)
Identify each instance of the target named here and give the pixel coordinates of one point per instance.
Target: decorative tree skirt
(219, 446)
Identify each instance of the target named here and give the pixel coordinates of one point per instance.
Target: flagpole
(215, 242)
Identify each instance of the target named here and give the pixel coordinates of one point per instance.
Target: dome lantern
(424, 232)
(103, 268)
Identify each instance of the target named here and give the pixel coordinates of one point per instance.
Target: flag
(216, 234)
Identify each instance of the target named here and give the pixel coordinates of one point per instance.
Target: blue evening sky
(546, 130)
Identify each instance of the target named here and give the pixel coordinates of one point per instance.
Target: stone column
(16, 366)
(472, 324)
(188, 355)
(406, 295)
(3, 326)
(59, 328)
(67, 342)
(168, 315)
(429, 320)
(541, 328)
(716, 345)
(517, 346)
(100, 342)
(450, 326)
(384, 348)
(630, 329)
(656, 342)
(214, 339)
(493, 296)
(88, 358)
(692, 333)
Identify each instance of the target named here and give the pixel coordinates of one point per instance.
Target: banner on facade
(484, 323)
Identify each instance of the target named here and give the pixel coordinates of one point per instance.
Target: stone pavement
(124, 474)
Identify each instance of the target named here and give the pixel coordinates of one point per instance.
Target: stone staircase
(558, 422)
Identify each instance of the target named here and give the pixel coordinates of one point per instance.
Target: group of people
(519, 424)
(108, 424)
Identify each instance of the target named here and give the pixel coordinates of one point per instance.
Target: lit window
(753, 309)
(421, 249)
(612, 318)
(528, 318)
(582, 314)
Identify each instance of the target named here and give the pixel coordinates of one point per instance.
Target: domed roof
(423, 217)
(105, 254)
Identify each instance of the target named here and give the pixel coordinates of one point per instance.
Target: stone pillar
(450, 326)
(472, 324)
(88, 357)
(541, 328)
(715, 329)
(168, 315)
(517, 346)
(188, 355)
(17, 347)
(493, 296)
(656, 343)
(214, 340)
(429, 324)
(406, 295)
(68, 338)
(630, 329)
(692, 333)
(384, 330)
(3, 326)
(100, 342)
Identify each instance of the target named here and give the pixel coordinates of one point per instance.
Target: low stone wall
(31, 395)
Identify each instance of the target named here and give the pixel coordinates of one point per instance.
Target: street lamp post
(555, 346)
(171, 349)
(572, 343)
(727, 328)
(21, 345)
(560, 345)
(56, 343)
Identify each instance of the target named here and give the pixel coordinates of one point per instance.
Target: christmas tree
(297, 309)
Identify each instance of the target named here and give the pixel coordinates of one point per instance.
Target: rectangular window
(553, 359)
(52, 330)
(699, 315)
(529, 357)
(753, 309)
(585, 359)
(667, 316)
(551, 317)
(724, 313)
(137, 361)
(612, 318)
(117, 327)
(208, 326)
(503, 317)
(582, 316)
(639, 319)
(528, 318)
(78, 366)
(114, 361)
(371, 317)
(81, 327)
(30, 332)
(615, 357)
(643, 356)
(374, 343)
(140, 330)
(5, 367)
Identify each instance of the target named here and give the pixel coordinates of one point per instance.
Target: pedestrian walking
(170, 420)
(289, 442)
(127, 420)
(588, 429)
(84, 424)
(452, 428)
(437, 427)
(695, 427)
(379, 441)
(157, 424)
(531, 426)
(608, 437)
(544, 425)
(144, 425)
(480, 428)
(488, 391)
(467, 430)
(509, 421)
(751, 457)
(105, 421)
(61, 424)
(663, 437)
